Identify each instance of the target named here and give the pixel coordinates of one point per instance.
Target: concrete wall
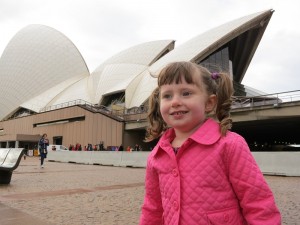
(278, 163)
(106, 158)
(91, 128)
(271, 163)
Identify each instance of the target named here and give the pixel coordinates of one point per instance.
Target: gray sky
(102, 28)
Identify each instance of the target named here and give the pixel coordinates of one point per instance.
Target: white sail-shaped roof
(116, 77)
(49, 96)
(40, 67)
(143, 54)
(201, 45)
(35, 60)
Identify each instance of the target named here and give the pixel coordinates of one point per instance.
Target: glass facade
(220, 61)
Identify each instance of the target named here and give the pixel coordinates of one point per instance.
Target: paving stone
(77, 194)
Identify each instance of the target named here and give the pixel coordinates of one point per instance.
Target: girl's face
(184, 106)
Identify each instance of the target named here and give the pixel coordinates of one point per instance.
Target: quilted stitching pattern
(212, 180)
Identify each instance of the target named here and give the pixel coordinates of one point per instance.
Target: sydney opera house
(46, 86)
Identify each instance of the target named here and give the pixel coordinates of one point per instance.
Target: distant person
(136, 147)
(101, 145)
(25, 153)
(121, 148)
(200, 172)
(43, 143)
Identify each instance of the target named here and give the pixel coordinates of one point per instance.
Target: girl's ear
(210, 103)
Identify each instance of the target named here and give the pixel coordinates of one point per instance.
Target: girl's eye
(167, 96)
(186, 93)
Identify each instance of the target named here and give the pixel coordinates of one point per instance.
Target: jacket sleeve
(41, 142)
(255, 197)
(152, 211)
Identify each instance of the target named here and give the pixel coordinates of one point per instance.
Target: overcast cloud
(102, 28)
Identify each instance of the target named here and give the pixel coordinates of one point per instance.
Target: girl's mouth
(178, 113)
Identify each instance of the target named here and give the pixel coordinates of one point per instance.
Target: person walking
(43, 143)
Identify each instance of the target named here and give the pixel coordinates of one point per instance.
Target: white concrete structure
(194, 50)
(127, 65)
(270, 163)
(37, 59)
(40, 67)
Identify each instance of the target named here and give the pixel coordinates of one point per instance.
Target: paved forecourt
(77, 194)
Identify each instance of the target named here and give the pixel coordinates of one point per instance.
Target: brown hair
(220, 84)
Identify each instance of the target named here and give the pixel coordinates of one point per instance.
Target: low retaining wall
(271, 163)
(278, 163)
(106, 158)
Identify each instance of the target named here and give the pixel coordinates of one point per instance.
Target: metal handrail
(238, 102)
(263, 100)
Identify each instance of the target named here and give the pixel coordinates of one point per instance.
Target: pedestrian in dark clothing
(43, 143)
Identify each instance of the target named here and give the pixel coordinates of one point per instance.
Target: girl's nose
(176, 101)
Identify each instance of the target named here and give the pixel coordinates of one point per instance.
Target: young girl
(199, 172)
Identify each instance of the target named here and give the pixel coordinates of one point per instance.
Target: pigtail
(224, 94)
(156, 122)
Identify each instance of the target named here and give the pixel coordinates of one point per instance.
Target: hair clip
(215, 75)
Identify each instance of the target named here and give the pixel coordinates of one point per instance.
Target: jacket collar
(207, 134)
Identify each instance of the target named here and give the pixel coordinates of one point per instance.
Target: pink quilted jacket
(211, 180)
